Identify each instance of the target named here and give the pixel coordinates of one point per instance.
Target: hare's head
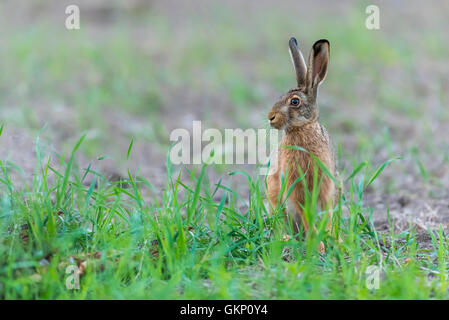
(298, 106)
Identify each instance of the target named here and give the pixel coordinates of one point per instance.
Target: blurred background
(139, 69)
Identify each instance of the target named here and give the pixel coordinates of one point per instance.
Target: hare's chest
(295, 162)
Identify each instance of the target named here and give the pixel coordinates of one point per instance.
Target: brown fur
(301, 126)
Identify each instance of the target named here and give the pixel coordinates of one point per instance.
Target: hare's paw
(321, 248)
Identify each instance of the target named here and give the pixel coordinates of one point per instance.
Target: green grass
(185, 244)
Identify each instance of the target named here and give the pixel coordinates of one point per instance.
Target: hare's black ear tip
(293, 40)
(321, 42)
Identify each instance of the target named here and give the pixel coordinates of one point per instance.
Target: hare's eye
(294, 102)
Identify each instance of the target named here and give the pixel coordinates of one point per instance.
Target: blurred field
(139, 69)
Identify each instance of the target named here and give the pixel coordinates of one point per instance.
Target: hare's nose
(271, 116)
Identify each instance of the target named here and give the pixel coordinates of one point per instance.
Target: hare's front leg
(274, 188)
(326, 200)
(329, 197)
(299, 215)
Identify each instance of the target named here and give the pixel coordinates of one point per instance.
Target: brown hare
(296, 113)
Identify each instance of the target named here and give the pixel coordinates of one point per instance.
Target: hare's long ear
(318, 62)
(298, 62)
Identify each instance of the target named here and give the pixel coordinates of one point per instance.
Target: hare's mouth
(277, 119)
(279, 125)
